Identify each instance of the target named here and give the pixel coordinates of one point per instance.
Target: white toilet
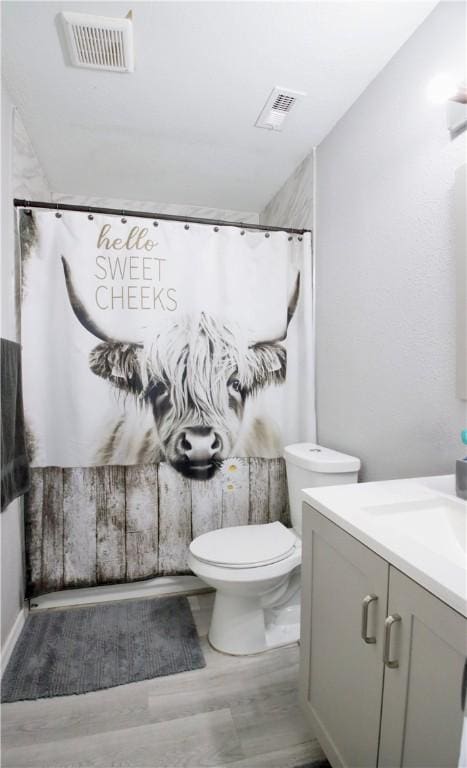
(256, 568)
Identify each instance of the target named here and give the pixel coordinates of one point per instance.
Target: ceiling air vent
(278, 106)
(99, 42)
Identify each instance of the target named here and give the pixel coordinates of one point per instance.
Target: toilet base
(241, 626)
(273, 645)
(283, 628)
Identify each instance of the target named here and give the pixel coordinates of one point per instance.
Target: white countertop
(435, 562)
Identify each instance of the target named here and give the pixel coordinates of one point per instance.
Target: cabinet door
(422, 713)
(341, 674)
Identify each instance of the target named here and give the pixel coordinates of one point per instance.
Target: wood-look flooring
(240, 712)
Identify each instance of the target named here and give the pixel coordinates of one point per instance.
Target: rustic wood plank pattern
(174, 520)
(206, 505)
(237, 712)
(52, 529)
(79, 513)
(277, 492)
(33, 504)
(88, 526)
(259, 491)
(142, 521)
(110, 524)
(236, 492)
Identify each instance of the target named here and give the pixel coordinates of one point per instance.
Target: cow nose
(200, 443)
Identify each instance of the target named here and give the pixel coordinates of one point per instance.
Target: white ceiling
(180, 129)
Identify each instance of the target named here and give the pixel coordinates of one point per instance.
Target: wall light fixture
(444, 88)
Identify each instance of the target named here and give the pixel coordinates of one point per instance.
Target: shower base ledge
(157, 587)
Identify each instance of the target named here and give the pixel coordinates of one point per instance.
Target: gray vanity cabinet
(422, 717)
(381, 658)
(341, 676)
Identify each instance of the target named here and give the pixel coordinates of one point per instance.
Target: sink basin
(441, 484)
(418, 525)
(438, 523)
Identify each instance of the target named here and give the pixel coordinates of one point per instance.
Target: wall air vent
(99, 42)
(278, 106)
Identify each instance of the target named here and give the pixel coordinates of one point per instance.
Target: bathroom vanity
(383, 629)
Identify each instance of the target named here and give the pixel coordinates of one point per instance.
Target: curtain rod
(160, 216)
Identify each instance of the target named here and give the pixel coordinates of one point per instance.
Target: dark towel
(15, 466)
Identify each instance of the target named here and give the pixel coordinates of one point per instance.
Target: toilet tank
(311, 466)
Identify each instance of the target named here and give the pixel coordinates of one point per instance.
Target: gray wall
(384, 237)
(386, 266)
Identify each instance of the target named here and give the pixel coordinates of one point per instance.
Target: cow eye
(235, 384)
(157, 389)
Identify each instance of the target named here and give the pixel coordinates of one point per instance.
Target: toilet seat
(244, 546)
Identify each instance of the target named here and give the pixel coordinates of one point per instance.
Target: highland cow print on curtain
(165, 367)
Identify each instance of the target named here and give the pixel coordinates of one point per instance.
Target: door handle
(388, 624)
(364, 631)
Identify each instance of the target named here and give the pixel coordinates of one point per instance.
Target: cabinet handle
(464, 686)
(366, 602)
(387, 640)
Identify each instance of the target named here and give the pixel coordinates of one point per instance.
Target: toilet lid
(244, 546)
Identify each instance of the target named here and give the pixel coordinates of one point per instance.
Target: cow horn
(83, 315)
(292, 306)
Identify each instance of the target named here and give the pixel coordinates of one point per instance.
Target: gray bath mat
(86, 649)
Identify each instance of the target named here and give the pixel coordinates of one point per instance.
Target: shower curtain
(165, 366)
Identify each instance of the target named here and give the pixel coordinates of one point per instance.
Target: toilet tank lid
(316, 458)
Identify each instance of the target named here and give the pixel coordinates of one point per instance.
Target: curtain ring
(300, 238)
(155, 223)
(90, 216)
(267, 234)
(216, 229)
(187, 226)
(242, 232)
(290, 238)
(58, 215)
